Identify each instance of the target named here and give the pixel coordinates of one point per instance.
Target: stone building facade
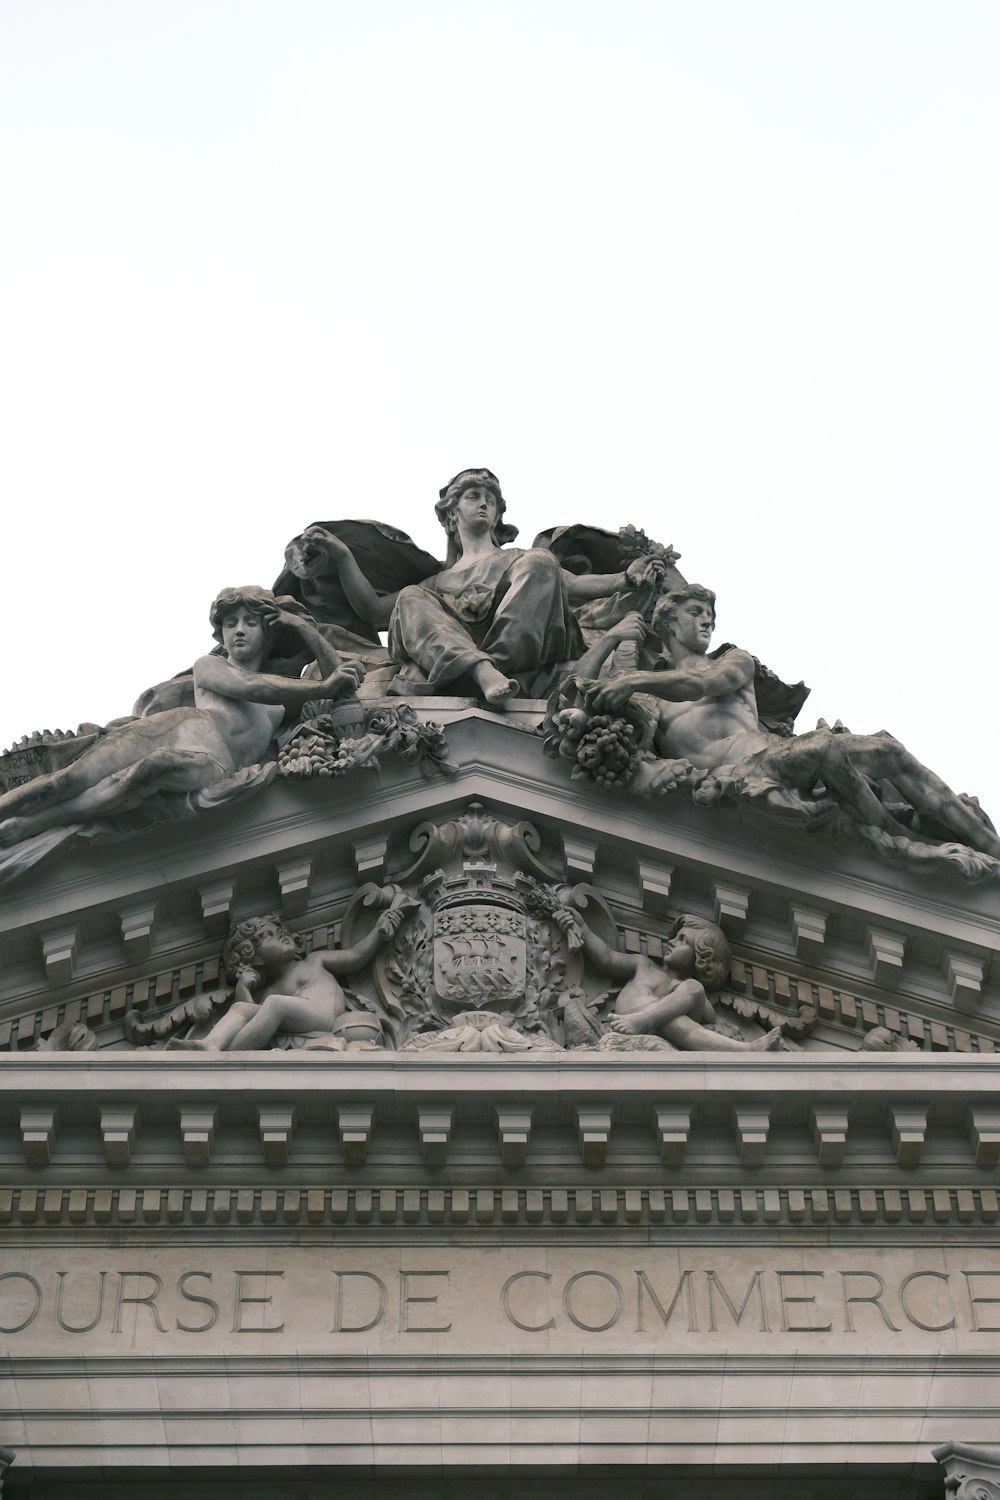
(477, 1234)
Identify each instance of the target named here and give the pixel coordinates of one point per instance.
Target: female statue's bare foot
(769, 1043)
(494, 686)
(13, 831)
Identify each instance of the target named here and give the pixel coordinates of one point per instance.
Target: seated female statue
(495, 619)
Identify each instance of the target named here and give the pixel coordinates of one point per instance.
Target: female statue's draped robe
(509, 608)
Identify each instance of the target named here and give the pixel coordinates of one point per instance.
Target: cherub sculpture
(671, 1000)
(282, 989)
(186, 751)
(709, 734)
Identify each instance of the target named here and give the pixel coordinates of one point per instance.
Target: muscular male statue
(708, 720)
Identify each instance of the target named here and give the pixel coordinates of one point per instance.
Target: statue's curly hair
(251, 596)
(712, 955)
(240, 948)
(669, 604)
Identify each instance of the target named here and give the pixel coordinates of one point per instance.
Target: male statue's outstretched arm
(732, 672)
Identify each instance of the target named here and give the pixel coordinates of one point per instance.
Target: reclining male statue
(708, 724)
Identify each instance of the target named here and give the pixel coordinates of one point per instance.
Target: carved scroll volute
(478, 836)
(969, 1488)
(970, 1473)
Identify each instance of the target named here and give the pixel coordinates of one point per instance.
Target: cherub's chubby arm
(217, 675)
(246, 982)
(348, 960)
(373, 607)
(616, 965)
(727, 675)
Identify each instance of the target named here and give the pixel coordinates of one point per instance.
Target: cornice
(779, 1074)
(850, 1118)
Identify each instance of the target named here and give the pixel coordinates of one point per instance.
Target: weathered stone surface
(283, 992)
(499, 623)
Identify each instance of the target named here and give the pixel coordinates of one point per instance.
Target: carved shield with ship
(480, 954)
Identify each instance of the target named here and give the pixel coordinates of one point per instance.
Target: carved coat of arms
(480, 955)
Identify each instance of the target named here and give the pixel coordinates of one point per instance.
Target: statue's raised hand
(570, 923)
(315, 551)
(277, 614)
(643, 570)
(391, 921)
(247, 981)
(318, 539)
(631, 627)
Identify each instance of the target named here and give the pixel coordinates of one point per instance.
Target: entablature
(843, 1123)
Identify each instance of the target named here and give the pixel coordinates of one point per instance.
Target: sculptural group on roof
(601, 625)
(600, 640)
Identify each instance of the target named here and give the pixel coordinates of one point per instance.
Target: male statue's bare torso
(712, 731)
(240, 730)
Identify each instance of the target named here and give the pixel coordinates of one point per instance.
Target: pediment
(825, 940)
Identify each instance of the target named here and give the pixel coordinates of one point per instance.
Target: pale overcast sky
(728, 271)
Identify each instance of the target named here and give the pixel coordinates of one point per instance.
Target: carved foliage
(322, 744)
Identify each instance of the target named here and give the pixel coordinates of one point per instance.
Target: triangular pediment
(824, 938)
